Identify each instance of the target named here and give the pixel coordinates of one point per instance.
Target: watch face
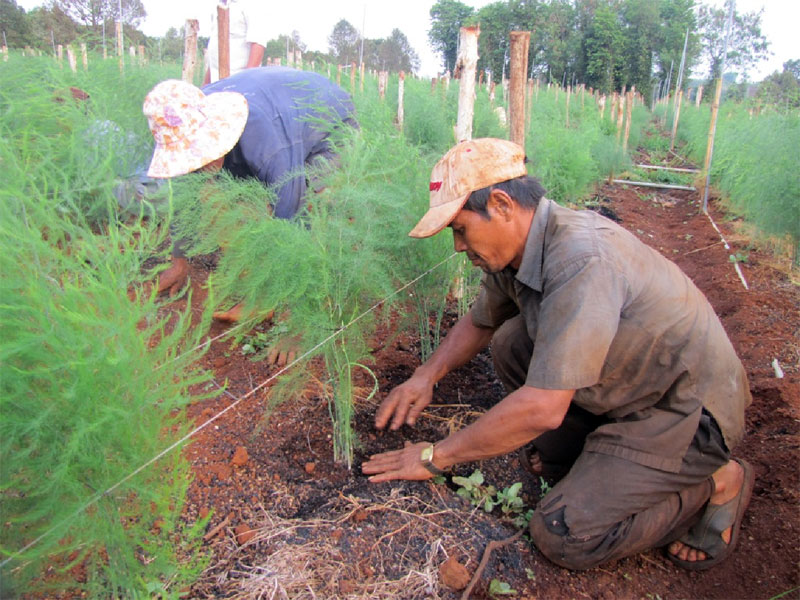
(427, 453)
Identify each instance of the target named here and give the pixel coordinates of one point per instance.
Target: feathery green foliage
(89, 390)
(755, 164)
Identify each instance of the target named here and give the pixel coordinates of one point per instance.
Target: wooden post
(60, 54)
(675, 120)
(190, 49)
(613, 114)
(467, 63)
(5, 52)
(298, 59)
(699, 96)
(520, 42)
(120, 45)
(85, 57)
(710, 146)
(569, 90)
(73, 63)
(142, 59)
(224, 40)
(352, 78)
(382, 78)
(362, 77)
(400, 91)
(601, 104)
(529, 104)
(620, 113)
(629, 112)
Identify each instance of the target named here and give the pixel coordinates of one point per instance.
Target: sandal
(706, 534)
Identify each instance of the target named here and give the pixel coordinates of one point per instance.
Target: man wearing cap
(616, 367)
(269, 123)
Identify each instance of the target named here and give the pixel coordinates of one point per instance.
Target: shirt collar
(530, 268)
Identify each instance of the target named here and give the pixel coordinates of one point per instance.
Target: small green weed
(472, 489)
(511, 505)
(739, 257)
(500, 588)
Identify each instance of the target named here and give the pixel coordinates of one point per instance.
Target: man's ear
(501, 205)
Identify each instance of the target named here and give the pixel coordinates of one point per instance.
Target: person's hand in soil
(405, 403)
(174, 278)
(398, 464)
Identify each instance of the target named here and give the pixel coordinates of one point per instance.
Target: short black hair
(525, 191)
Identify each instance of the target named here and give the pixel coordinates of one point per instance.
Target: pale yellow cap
(469, 166)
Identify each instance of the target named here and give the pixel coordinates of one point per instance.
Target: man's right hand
(174, 278)
(404, 403)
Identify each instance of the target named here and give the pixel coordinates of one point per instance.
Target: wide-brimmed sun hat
(191, 129)
(468, 166)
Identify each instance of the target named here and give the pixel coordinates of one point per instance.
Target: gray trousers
(604, 507)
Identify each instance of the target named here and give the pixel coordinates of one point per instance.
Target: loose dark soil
(295, 524)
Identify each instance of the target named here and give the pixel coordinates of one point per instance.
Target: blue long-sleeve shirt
(290, 116)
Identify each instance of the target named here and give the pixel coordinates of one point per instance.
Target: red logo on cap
(435, 186)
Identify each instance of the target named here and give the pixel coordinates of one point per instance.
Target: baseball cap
(468, 166)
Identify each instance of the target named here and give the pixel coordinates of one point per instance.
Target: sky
(314, 21)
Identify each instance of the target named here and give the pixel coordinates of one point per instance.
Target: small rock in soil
(243, 533)
(453, 574)
(240, 457)
(310, 467)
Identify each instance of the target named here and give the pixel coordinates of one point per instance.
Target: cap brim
(226, 116)
(437, 218)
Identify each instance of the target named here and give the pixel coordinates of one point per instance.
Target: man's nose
(458, 244)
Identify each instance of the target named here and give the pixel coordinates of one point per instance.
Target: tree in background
(676, 18)
(496, 21)
(447, 18)
(93, 13)
(561, 40)
(51, 25)
(603, 47)
(345, 43)
(14, 23)
(746, 46)
(396, 54)
(782, 89)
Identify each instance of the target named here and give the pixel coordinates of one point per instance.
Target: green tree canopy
(447, 18)
(345, 43)
(93, 13)
(747, 46)
(14, 24)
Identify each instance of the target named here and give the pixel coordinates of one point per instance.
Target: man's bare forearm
(520, 417)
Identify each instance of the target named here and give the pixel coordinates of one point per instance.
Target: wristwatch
(427, 461)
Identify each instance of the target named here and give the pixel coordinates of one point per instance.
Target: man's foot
(713, 538)
(174, 278)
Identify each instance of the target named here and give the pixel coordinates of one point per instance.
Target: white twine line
(199, 428)
(727, 247)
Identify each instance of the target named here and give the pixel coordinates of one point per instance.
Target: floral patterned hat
(191, 129)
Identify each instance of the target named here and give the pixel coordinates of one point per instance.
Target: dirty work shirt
(623, 326)
(290, 116)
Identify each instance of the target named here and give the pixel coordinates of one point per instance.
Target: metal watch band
(427, 461)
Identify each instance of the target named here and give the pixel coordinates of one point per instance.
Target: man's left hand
(398, 464)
